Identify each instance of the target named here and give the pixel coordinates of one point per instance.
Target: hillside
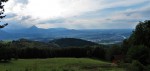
(72, 42)
(58, 64)
(23, 43)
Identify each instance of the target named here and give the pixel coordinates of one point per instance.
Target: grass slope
(58, 64)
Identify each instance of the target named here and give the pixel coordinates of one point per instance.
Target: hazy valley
(103, 36)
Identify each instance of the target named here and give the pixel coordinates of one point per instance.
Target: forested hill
(72, 42)
(57, 43)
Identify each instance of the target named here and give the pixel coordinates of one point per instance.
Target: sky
(76, 14)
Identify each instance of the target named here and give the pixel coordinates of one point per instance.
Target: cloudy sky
(76, 14)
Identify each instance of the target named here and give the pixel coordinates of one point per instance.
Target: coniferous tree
(2, 10)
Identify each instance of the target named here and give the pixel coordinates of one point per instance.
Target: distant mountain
(4, 35)
(72, 42)
(102, 36)
(33, 27)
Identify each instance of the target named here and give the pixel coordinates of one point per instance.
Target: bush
(147, 68)
(140, 53)
(135, 66)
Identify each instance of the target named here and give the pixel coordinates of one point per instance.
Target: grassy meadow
(58, 64)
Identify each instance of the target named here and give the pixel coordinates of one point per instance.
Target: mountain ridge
(40, 34)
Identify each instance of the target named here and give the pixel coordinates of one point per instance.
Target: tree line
(11, 50)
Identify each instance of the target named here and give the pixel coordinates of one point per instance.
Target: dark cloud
(22, 1)
(15, 24)
(146, 13)
(125, 20)
(10, 15)
(108, 19)
(25, 18)
(54, 21)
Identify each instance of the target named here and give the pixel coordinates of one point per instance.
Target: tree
(141, 35)
(137, 45)
(140, 53)
(114, 51)
(5, 52)
(98, 52)
(2, 10)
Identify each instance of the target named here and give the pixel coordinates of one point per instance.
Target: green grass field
(58, 64)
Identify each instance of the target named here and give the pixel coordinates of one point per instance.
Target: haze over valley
(103, 36)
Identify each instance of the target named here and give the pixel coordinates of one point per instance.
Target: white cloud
(37, 11)
(45, 9)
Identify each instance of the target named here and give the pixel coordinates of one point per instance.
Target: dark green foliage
(98, 52)
(72, 42)
(24, 48)
(141, 35)
(23, 43)
(112, 52)
(135, 66)
(5, 52)
(125, 46)
(137, 46)
(140, 53)
(147, 68)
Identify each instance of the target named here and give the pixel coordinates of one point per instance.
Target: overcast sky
(77, 14)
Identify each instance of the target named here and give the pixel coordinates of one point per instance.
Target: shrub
(140, 53)
(135, 66)
(147, 68)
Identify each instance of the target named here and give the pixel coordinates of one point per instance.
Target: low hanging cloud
(77, 14)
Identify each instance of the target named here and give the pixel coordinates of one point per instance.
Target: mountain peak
(33, 27)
